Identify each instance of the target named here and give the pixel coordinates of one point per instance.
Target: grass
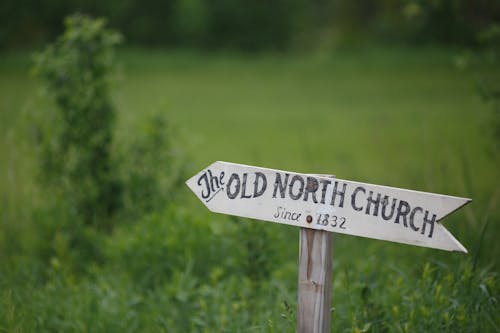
(398, 117)
(342, 114)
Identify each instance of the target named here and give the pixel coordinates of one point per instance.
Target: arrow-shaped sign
(332, 204)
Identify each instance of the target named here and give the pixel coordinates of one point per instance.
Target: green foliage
(437, 297)
(252, 25)
(91, 182)
(489, 81)
(184, 269)
(152, 168)
(176, 242)
(255, 249)
(181, 281)
(484, 63)
(77, 155)
(175, 272)
(257, 25)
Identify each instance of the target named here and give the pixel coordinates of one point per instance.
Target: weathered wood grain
(315, 281)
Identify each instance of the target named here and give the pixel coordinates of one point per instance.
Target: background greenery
(404, 112)
(254, 25)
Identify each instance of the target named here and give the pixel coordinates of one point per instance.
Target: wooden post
(315, 281)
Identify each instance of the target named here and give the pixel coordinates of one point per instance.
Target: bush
(89, 186)
(152, 169)
(76, 155)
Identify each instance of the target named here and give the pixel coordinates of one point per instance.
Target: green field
(399, 117)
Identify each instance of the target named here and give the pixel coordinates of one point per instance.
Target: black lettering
(342, 222)
(256, 191)
(323, 219)
(214, 182)
(234, 194)
(340, 193)
(204, 194)
(301, 187)
(244, 187)
(279, 184)
(277, 212)
(385, 203)
(353, 198)
(312, 187)
(371, 201)
(427, 221)
(412, 217)
(334, 221)
(220, 178)
(403, 210)
(325, 183)
(283, 213)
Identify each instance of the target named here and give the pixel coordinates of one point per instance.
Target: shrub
(76, 155)
(152, 169)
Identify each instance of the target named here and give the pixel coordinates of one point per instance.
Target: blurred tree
(76, 155)
(256, 25)
(191, 22)
(251, 25)
(489, 80)
(147, 22)
(450, 21)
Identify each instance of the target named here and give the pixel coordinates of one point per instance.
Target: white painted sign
(332, 204)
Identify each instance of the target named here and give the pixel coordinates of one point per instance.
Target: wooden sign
(323, 203)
